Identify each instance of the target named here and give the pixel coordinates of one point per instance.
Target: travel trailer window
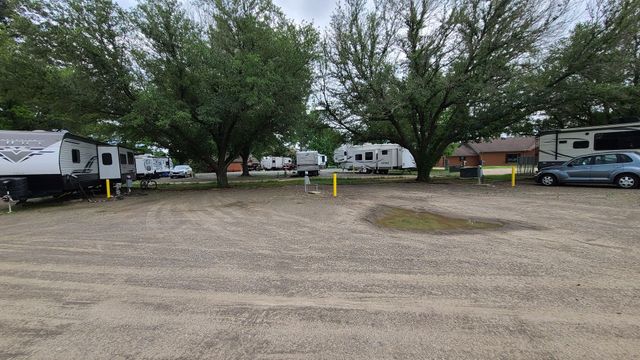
(359, 157)
(107, 159)
(123, 159)
(131, 159)
(511, 158)
(582, 144)
(368, 155)
(75, 156)
(385, 152)
(617, 140)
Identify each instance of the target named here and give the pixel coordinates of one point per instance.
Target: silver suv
(620, 167)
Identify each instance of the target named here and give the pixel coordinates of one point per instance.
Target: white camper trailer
(116, 163)
(144, 166)
(151, 166)
(374, 158)
(163, 165)
(559, 146)
(275, 162)
(307, 162)
(51, 162)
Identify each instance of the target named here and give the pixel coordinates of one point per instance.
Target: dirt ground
(277, 274)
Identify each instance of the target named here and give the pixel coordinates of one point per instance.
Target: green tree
(218, 85)
(593, 76)
(425, 74)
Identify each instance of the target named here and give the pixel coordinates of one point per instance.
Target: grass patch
(408, 220)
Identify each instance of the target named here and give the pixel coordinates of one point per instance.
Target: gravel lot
(274, 273)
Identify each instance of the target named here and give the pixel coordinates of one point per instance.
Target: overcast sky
(316, 11)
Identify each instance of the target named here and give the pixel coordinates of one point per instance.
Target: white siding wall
(88, 157)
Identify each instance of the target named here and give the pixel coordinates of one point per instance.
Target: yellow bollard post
(513, 176)
(335, 184)
(108, 189)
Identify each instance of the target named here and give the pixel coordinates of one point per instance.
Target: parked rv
(373, 158)
(276, 163)
(150, 166)
(49, 163)
(307, 162)
(559, 146)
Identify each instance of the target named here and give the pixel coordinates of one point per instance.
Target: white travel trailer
(148, 165)
(275, 162)
(307, 162)
(374, 158)
(144, 166)
(51, 162)
(116, 163)
(559, 146)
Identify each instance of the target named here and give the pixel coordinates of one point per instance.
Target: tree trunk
(221, 173)
(425, 163)
(245, 164)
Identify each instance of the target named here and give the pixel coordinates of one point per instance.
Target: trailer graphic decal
(17, 154)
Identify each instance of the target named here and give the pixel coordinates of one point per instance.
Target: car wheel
(548, 180)
(628, 181)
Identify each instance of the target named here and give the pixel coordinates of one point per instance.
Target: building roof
(514, 144)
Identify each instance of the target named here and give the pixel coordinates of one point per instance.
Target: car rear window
(622, 158)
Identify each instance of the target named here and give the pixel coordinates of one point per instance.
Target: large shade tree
(240, 73)
(426, 73)
(593, 76)
(206, 84)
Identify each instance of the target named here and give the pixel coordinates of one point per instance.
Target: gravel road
(277, 274)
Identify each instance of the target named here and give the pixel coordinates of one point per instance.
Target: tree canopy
(425, 74)
(206, 85)
(212, 80)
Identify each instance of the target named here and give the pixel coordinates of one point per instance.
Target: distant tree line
(214, 80)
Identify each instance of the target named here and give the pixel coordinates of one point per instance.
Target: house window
(511, 158)
(130, 158)
(123, 158)
(582, 144)
(368, 155)
(75, 156)
(107, 159)
(385, 152)
(620, 140)
(358, 157)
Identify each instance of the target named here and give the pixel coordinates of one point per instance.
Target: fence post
(335, 184)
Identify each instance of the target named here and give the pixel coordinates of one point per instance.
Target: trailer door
(108, 164)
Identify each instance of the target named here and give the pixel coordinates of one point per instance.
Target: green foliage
(206, 88)
(427, 74)
(593, 76)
